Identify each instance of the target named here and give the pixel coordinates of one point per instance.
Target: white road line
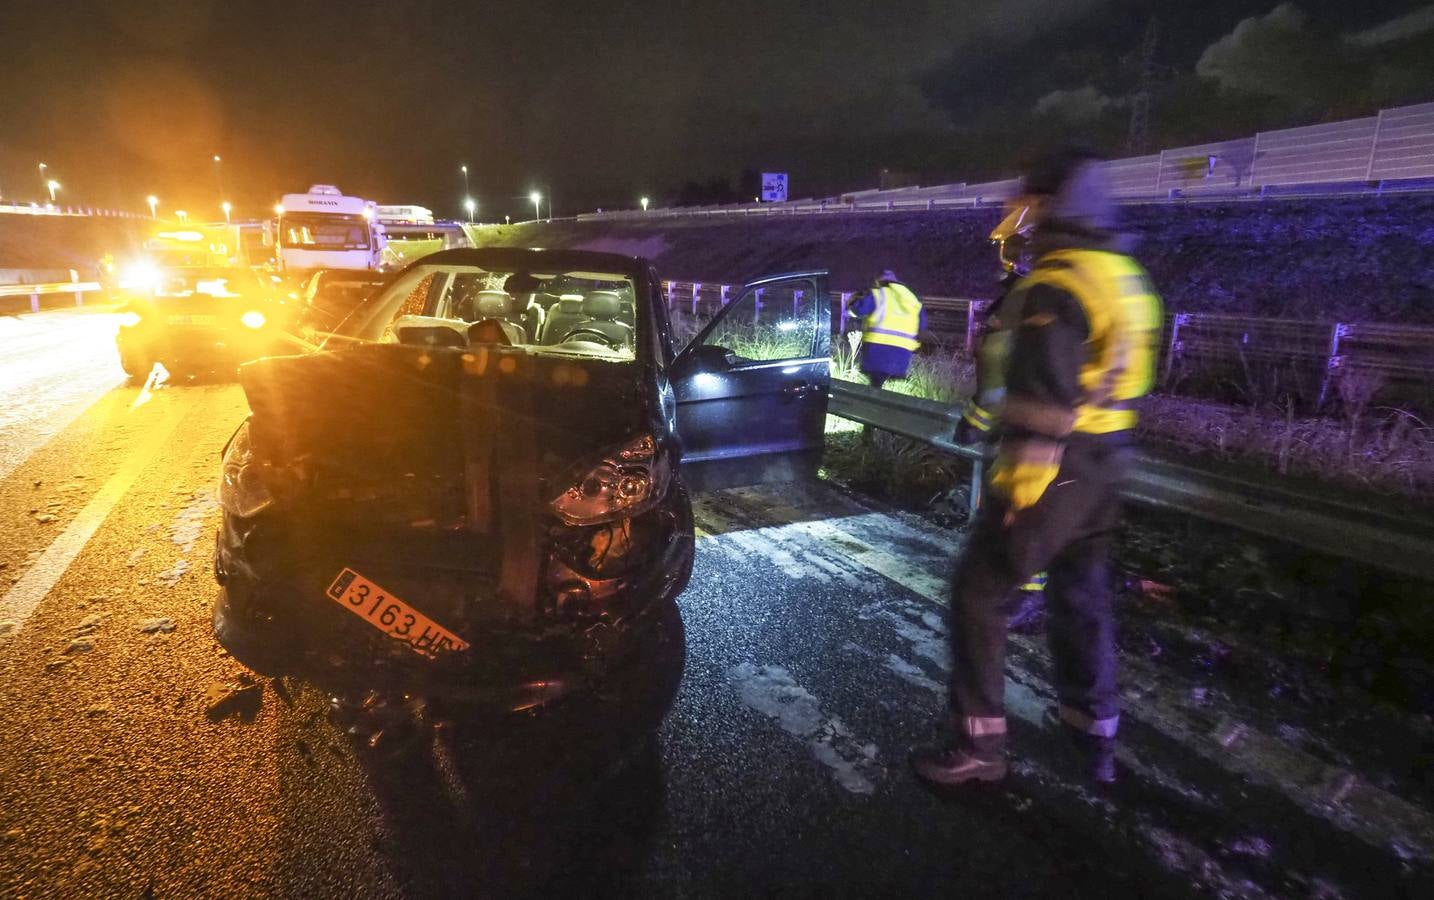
(771, 691)
(20, 601)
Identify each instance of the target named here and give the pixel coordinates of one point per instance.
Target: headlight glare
(253, 319)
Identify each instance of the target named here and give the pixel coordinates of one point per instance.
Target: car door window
(768, 324)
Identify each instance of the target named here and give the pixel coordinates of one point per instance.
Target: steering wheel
(602, 338)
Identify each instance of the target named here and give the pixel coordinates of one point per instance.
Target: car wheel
(135, 367)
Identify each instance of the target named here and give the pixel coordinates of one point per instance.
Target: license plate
(193, 320)
(392, 616)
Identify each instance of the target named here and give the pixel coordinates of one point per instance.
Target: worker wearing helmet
(1084, 325)
(891, 320)
(980, 418)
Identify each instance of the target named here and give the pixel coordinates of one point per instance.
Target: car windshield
(206, 282)
(324, 231)
(568, 312)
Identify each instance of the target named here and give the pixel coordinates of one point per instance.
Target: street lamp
(537, 199)
(471, 205)
(53, 185)
(226, 206)
(644, 204)
(219, 174)
(181, 215)
(464, 170)
(278, 209)
(153, 202)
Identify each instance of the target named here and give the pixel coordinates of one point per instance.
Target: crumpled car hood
(404, 437)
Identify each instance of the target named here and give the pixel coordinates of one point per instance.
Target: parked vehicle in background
(198, 320)
(323, 229)
(458, 512)
(400, 214)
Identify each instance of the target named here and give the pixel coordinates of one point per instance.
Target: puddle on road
(772, 691)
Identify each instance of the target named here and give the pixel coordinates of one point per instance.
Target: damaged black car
(475, 498)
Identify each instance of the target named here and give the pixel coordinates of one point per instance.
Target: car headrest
(494, 304)
(602, 305)
(488, 331)
(571, 303)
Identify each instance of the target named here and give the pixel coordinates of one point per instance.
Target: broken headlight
(242, 491)
(627, 482)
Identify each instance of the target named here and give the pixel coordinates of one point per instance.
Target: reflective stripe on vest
(896, 318)
(1124, 317)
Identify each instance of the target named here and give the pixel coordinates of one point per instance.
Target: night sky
(603, 102)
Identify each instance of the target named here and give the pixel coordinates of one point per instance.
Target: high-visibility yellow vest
(896, 319)
(1124, 317)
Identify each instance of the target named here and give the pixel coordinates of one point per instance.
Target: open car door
(751, 388)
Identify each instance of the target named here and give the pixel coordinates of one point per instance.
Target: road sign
(774, 187)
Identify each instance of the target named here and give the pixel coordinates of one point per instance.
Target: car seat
(563, 318)
(498, 306)
(601, 309)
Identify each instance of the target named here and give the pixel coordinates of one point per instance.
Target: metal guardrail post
(1335, 360)
(1174, 349)
(1374, 145)
(796, 303)
(978, 472)
(696, 290)
(845, 301)
(757, 306)
(725, 289)
(34, 303)
(671, 293)
(973, 309)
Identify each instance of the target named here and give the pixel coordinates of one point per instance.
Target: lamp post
(153, 202)
(464, 169)
(471, 205)
(219, 175)
(644, 204)
(226, 206)
(43, 180)
(537, 199)
(53, 185)
(181, 215)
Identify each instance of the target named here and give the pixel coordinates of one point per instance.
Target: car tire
(135, 367)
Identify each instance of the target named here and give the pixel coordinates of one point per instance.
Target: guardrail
(1344, 530)
(1323, 352)
(35, 291)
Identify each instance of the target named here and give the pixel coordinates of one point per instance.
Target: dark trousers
(1068, 533)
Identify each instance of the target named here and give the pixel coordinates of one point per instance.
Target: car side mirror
(709, 358)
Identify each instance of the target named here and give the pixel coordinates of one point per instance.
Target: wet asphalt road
(137, 759)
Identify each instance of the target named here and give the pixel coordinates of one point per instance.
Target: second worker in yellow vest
(892, 319)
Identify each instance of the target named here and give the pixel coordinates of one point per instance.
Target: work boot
(1096, 753)
(948, 765)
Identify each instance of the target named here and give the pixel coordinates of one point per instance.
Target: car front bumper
(200, 348)
(274, 616)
